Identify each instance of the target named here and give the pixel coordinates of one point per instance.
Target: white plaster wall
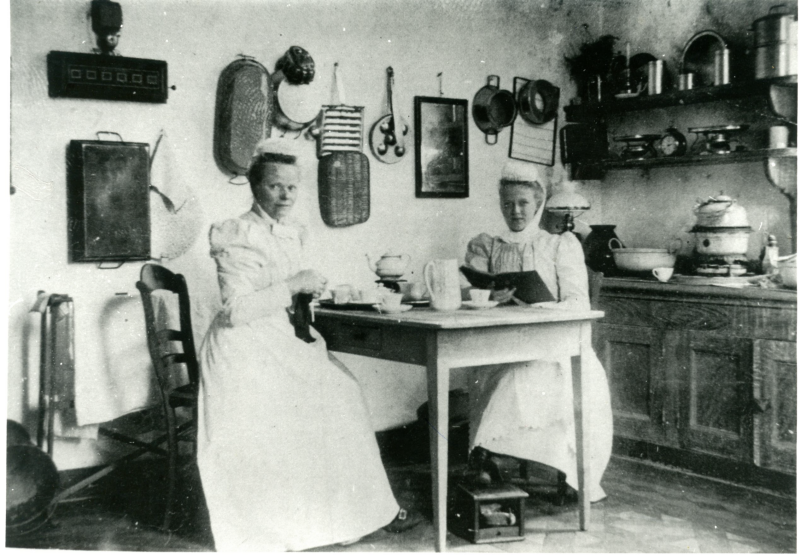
(464, 39)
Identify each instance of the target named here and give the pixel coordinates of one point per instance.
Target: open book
(530, 287)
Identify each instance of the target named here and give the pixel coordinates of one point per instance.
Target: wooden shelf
(597, 111)
(688, 160)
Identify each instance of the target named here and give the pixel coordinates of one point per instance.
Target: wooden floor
(649, 509)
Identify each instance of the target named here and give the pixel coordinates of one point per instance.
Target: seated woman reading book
(525, 410)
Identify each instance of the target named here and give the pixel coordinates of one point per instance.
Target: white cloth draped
(287, 455)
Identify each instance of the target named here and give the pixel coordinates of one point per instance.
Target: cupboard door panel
(775, 402)
(632, 358)
(715, 402)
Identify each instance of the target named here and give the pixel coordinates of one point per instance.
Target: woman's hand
(547, 305)
(503, 296)
(307, 281)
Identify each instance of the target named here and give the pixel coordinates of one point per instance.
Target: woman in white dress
(525, 410)
(287, 456)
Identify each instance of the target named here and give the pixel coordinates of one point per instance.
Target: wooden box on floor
(488, 513)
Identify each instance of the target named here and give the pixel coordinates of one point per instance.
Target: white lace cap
(519, 171)
(280, 146)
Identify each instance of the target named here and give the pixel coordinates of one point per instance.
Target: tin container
(655, 77)
(775, 40)
(722, 70)
(686, 81)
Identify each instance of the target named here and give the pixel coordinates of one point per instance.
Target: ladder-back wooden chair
(168, 348)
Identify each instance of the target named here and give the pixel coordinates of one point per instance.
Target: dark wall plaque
(113, 78)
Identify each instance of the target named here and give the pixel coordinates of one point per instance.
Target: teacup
(342, 294)
(392, 300)
(479, 296)
(663, 274)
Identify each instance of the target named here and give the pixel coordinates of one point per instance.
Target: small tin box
(489, 513)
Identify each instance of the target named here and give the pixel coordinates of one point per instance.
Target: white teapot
(390, 265)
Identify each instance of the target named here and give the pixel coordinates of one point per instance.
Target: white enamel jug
(444, 285)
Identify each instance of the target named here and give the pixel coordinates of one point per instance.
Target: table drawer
(357, 336)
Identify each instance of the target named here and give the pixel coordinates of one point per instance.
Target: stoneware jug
(444, 285)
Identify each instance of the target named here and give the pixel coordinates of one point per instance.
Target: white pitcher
(444, 285)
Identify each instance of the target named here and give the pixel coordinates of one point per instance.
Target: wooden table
(441, 341)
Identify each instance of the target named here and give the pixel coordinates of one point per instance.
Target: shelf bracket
(782, 174)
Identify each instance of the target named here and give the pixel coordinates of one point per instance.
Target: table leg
(580, 368)
(438, 406)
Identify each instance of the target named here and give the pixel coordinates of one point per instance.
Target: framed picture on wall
(440, 133)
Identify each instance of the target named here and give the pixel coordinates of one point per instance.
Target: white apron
(525, 409)
(287, 456)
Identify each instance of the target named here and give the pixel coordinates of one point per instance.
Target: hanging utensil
(343, 170)
(493, 109)
(387, 138)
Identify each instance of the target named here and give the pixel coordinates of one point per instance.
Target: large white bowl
(643, 259)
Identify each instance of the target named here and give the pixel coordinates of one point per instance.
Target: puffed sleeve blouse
(255, 255)
(558, 259)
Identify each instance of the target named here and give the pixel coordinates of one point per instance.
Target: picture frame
(441, 147)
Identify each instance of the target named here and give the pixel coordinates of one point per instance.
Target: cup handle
(614, 240)
(653, 271)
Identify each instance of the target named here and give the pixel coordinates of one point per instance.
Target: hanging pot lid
(298, 105)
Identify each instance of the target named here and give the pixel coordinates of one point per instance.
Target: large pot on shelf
(775, 38)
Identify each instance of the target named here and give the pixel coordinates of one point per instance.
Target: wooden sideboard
(708, 371)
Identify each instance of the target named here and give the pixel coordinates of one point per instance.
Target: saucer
(401, 308)
(626, 95)
(474, 305)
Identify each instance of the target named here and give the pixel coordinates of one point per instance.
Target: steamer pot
(775, 37)
(719, 241)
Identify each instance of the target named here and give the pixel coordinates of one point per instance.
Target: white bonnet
(519, 171)
(279, 146)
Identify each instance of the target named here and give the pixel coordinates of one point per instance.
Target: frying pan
(493, 108)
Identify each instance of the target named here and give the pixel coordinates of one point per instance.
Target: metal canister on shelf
(655, 75)
(686, 81)
(722, 61)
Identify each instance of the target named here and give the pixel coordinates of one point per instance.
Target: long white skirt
(287, 456)
(526, 410)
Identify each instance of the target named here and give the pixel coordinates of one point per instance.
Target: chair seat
(182, 397)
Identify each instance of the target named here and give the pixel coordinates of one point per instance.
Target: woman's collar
(284, 227)
(525, 236)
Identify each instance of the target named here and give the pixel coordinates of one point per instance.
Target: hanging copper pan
(493, 109)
